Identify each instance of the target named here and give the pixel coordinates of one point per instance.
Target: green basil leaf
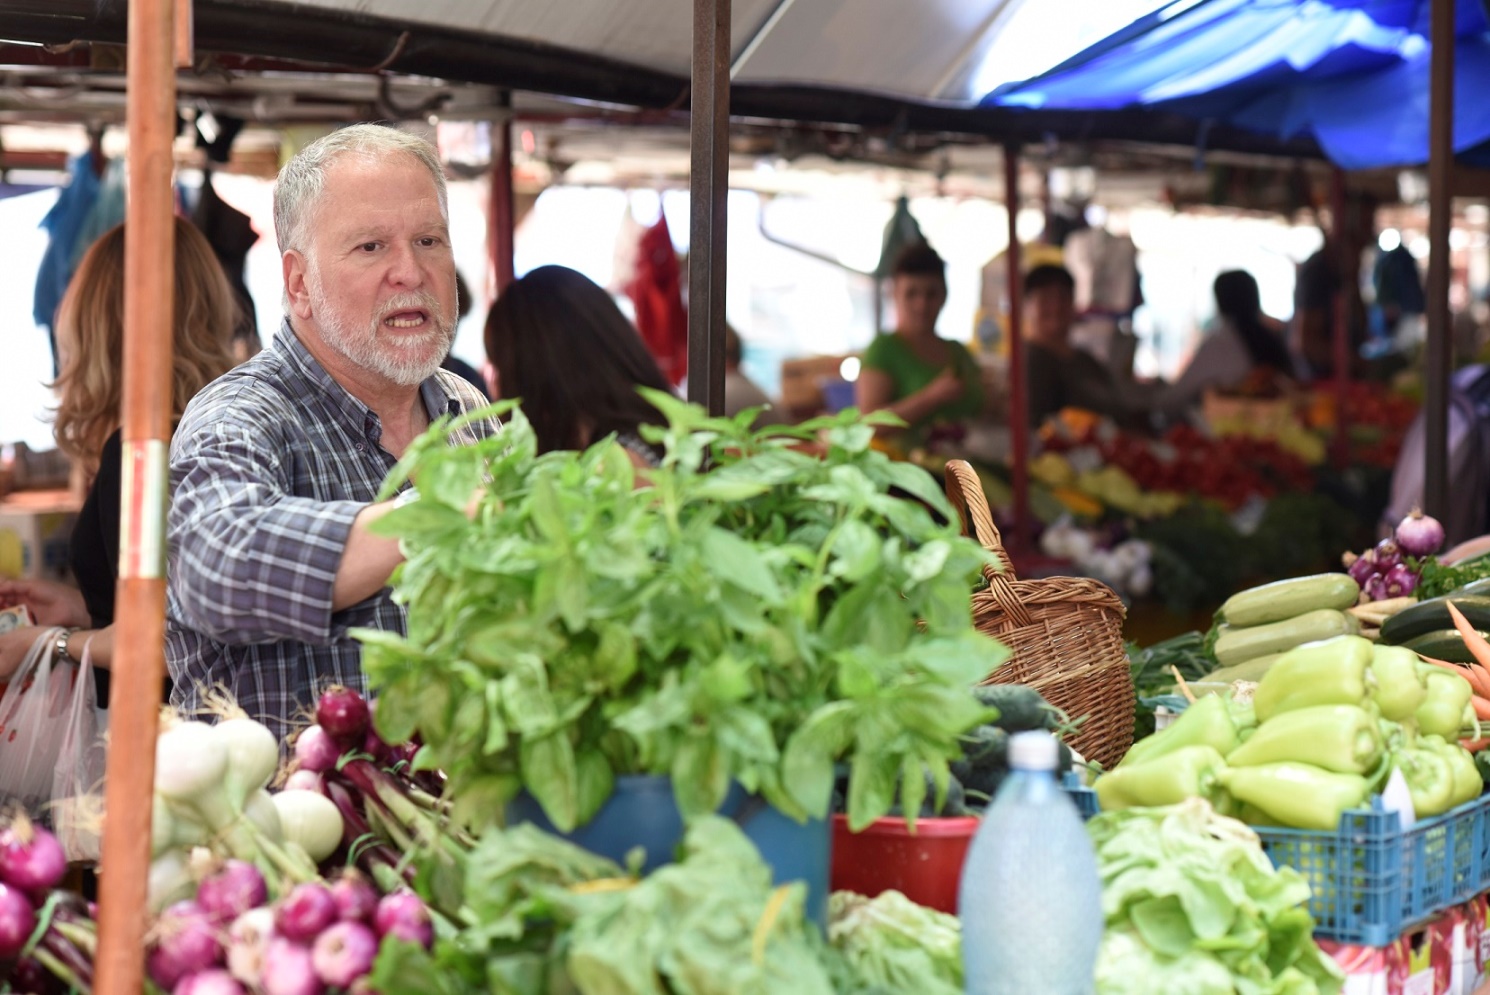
(548, 771)
(871, 787)
(700, 775)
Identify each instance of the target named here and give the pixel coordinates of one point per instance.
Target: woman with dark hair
(1244, 342)
(913, 372)
(557, 341)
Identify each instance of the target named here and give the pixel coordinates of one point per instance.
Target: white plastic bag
(52, 746)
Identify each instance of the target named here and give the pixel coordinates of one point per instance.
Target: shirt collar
(439, 399)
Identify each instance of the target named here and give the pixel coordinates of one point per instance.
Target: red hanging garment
(656, 290)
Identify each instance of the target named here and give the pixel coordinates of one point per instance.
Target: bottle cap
(1033, 751)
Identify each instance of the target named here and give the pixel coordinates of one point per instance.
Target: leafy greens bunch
(750, 613)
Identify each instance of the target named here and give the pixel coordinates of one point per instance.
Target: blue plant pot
(642, 812)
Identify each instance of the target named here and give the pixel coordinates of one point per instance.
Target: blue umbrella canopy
(1353, 74)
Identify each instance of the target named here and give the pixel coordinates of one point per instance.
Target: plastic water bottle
(1031, 900)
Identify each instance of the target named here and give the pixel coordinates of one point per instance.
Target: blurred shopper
(90, 338)
(558, 342)
(926, 380)
(1244, 346)
(1059, 375)
(741, 392)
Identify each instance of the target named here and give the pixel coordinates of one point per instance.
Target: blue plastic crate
(1369, 881)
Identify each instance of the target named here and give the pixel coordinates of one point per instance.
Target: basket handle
(965, 491)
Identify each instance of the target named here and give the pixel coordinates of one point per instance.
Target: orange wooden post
(140, 610)
(186, 55)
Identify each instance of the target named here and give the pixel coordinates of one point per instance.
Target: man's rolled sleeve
(250, 562)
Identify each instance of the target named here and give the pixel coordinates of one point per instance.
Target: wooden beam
(708, 186)
(1439, 360)
(1019, 410)
(139, 663)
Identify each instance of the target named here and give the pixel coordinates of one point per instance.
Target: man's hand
(49, 603)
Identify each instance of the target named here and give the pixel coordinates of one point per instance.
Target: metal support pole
(139, 661)
(708, 195)
(1440, 210)
(502, 213)
(1019, 410)
(1349, 276)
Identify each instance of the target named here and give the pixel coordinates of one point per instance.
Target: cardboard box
(1419, 963)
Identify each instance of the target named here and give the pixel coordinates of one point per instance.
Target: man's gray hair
(303, 178)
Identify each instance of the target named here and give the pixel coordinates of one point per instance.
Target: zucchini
(1474, 589)
(1287, 599)
(1252, 670)
(1236, 645)
(1445, 644)
(1433, 616)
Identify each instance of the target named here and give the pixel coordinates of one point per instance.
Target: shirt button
(361, 447)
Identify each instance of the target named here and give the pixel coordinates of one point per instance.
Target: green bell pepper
(1442, 712)
(1468, 785)
(1205, 723)
(1400, 687)
(1188, 772)
(1331, 672)
(1430, 780)
(1340, 738)
(1298, 795)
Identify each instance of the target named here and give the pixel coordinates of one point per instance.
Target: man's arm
(251, 562)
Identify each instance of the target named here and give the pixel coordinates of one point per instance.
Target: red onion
(248, 939)
(1388, 555)
(315, 750)
(186, 944)
(305, 912)
(31, 859)
(232, 891)
(306, 780)
(344, 953)
(403, 916)
(1419, 534)
(1375, 588)
(344, 714)
(17, 920)
(213, 982)
(29, 976)
(373, 746)
(1363, 568)
(1399, 581)
(356, 899)
(288, 970)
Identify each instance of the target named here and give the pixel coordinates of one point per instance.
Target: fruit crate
(1369, 880)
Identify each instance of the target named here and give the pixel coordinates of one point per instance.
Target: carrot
(1481, 707)
(1478, 681)
(1475, 745)
(1478, 647)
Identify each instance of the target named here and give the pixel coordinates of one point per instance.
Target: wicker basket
(1065, 634)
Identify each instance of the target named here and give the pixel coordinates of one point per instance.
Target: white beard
(407, 361)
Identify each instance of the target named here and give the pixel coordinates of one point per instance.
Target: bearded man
(276, 465)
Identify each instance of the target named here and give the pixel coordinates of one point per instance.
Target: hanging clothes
(231, 234)
(900, 231)
(656, 290)
(62, 224)
(106, 212)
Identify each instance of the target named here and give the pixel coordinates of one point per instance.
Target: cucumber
(1433, 616)
(1237, 645)
(1286, 599)
(1252, 670)
(1445, 644)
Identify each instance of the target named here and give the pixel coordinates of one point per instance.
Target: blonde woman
(90, 339)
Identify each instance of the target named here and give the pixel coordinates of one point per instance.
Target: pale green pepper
(1442, 712)
(1340, 738)
(1331, 672)
(1189, 772)
(1207, 722)
(1297, 795)
(1430, 780)
(1468, 785)
(1400, 687)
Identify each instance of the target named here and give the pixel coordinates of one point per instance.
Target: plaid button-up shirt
(269, 466)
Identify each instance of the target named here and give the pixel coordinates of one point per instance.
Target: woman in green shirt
(912, 372)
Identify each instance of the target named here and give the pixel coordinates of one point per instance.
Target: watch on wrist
(59, 648)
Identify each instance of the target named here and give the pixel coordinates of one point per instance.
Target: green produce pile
(1193, 905)
(890, 945)
(1435, 579)
(752, 614)
(1326, 726)
(527, 913)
